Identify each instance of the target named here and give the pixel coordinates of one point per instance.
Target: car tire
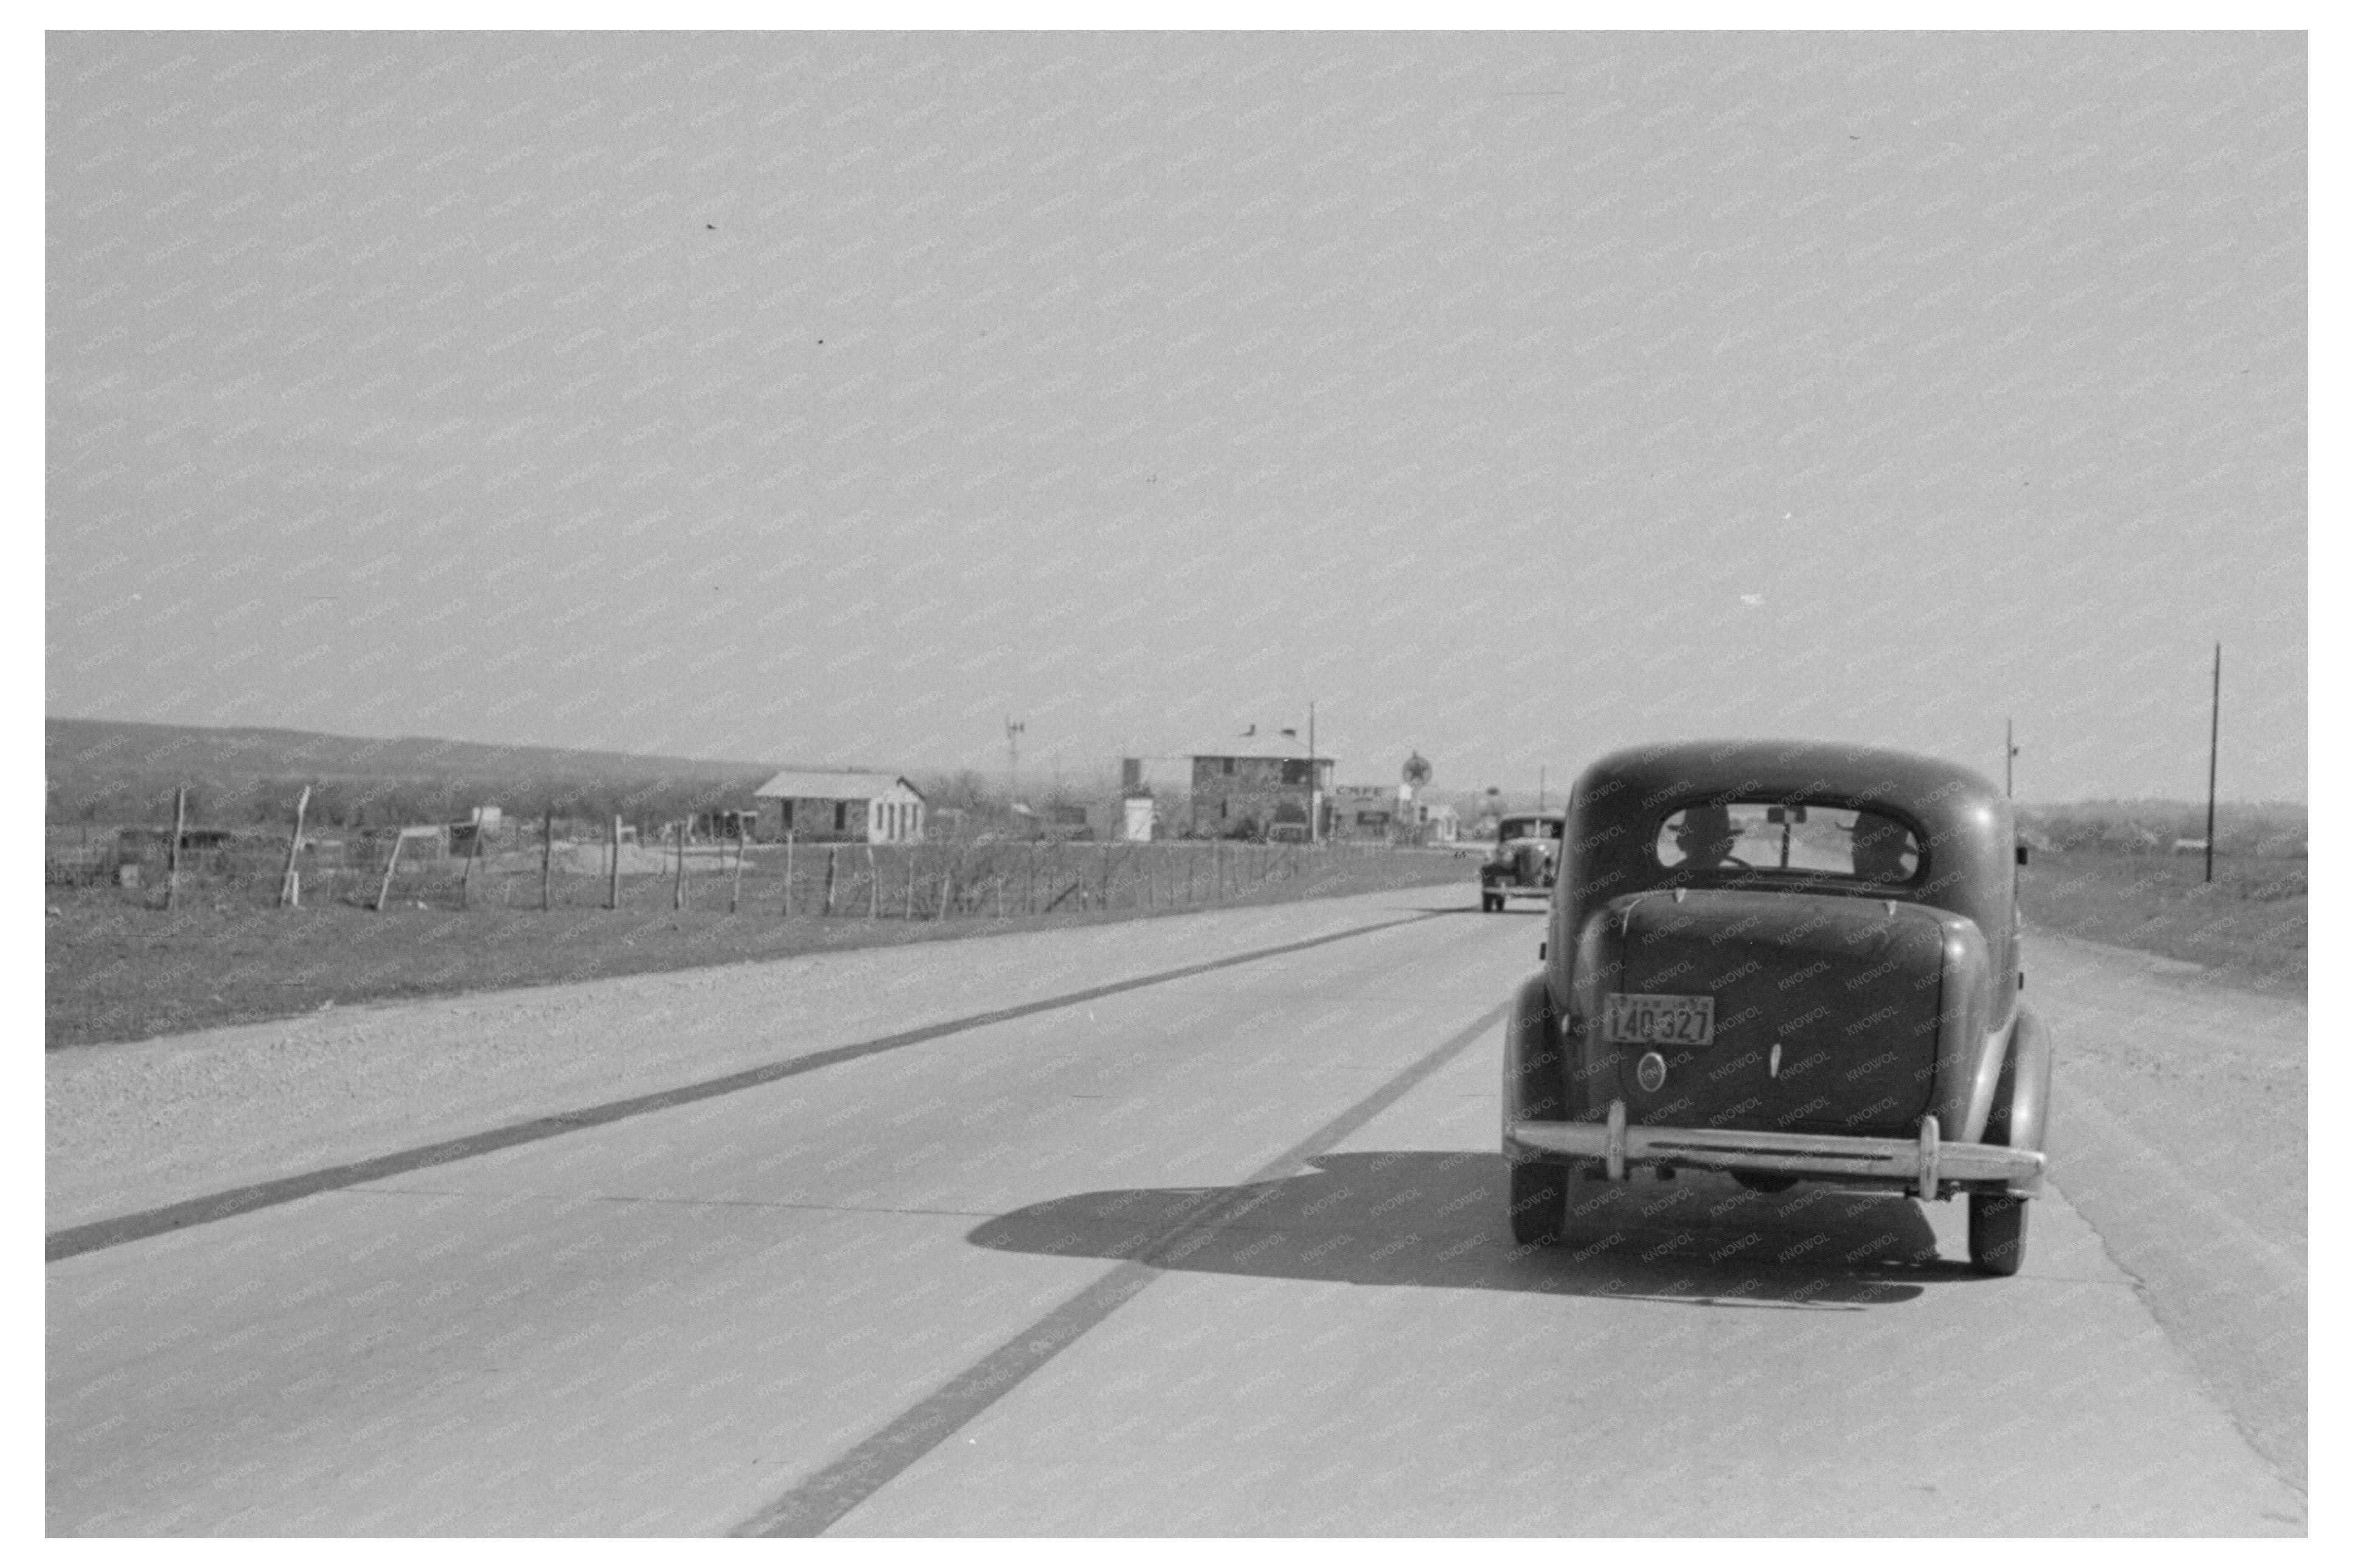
(1760, 1182)
(1539, 1204)
(1997, 1233)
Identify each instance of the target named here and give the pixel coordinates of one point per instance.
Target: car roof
(1966, 827)
(1930, 790)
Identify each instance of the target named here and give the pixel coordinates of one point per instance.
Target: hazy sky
(834, 397)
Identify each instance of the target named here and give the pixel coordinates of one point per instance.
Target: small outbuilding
(841, 806)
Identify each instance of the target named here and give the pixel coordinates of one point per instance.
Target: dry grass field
(2248, 925)
(119, 969)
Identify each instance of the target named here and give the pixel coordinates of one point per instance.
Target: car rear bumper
(1926, 1165)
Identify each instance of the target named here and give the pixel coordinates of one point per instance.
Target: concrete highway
(1220, 1254)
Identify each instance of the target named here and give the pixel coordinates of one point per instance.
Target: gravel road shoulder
(135, 1126)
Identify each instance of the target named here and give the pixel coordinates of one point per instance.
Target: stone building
(1256, 789)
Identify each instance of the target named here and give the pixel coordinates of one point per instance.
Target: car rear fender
(2019, 1115)
(1535, 1084)
(1968, 1046)
(1601, 959)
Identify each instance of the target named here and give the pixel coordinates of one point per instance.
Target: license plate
(1634, 1018)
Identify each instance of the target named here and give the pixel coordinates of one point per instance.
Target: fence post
(789, 874)
(832, 865)
(383, 892)
(909, 913)
(466, 877)
(613, 875)
(179, 831)
(873, 886)
(677, 886)
(947, 888)
(1107, 876)
(290, 886)
(735, 889)
(546, 859)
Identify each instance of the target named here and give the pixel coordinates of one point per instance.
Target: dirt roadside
(2179, 1131)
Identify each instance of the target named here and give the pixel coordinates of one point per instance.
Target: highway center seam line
(820, 1502)
(74, 1240)
(414, 1193)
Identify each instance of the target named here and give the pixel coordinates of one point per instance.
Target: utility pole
(2009, 755)
(179, 832)
(1540, 787)
(2213, 759)
(1313, 803)
(1013, 733)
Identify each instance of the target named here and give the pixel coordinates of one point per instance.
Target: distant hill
(110, 771)
(82, 744)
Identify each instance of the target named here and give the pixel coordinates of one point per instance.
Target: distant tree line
(2267, 830)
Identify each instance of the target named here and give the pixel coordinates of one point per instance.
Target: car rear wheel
(1539, 1204)
(1997, 1233)
(1759, 1182)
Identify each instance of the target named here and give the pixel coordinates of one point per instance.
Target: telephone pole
(2213, 759)
(1314, 803)
(2009, 755)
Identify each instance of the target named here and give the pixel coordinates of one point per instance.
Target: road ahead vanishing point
(1186, 1236)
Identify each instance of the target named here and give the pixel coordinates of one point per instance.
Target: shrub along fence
(547, 865)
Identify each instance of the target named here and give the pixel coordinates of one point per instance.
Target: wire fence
(920, 881)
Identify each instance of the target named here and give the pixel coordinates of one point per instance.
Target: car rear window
(1531, 828)
(1767, 836)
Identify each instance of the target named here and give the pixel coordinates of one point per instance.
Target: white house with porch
(841, 806)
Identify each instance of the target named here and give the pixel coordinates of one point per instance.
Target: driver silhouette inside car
(1704, 839)
(1879, 848)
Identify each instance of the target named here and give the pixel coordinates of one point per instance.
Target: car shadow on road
(1420, 1217)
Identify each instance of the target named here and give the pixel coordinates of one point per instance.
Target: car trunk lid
(1828, 1010)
